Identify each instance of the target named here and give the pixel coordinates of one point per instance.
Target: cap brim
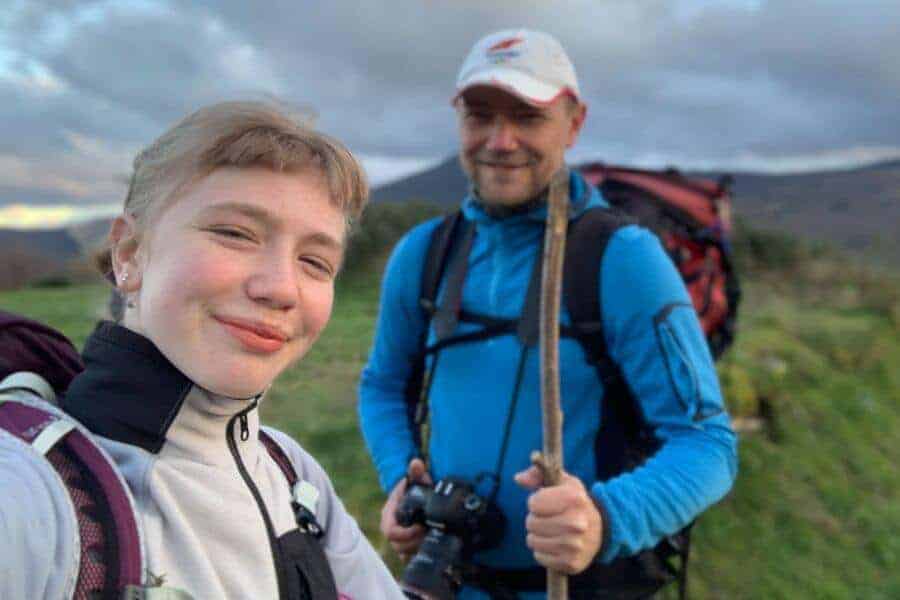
(526, 88)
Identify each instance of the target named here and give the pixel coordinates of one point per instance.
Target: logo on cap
(504, 50)
(505, 44)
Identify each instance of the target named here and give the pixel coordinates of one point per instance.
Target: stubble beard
(489, 183)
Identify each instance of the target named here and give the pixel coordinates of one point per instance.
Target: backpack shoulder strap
(435, 264)
(304, 544)
(304, 495)
(435, 259)
(280, 457)
(588, 237)
(448, 252)
(622, 440)
(111, 552)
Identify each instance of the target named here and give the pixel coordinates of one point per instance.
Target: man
(519, 108)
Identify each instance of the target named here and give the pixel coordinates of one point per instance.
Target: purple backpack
(37, 363)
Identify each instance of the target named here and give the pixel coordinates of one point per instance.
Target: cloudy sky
(740, 84)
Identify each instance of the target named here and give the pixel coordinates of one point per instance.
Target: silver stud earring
(129, 301)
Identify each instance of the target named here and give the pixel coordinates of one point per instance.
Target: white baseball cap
(532, 65)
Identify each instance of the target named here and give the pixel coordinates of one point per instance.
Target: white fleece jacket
(201, 526)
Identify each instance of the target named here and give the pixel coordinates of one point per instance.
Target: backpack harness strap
(448, 252)
(446, 316)
(621, 423)
(435, 259)
(586, 245)
(449, 313)
(304, 495)
(623, 441)
(303, 546)
(35, 384)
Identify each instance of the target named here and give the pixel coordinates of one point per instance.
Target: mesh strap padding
(110, 543)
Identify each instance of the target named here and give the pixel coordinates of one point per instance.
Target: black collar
(129, 392)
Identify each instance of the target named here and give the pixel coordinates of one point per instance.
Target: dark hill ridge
(443, 184)
(29, 255)
(858, 208)
(54, 244)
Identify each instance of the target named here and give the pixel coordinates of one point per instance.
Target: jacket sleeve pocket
(681, 344)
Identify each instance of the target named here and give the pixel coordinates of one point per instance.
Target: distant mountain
(443, 184)
(90, 234)
(858, 209)
(34, 255)
(57, 245)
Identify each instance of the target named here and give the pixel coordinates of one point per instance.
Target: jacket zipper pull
(245, 429)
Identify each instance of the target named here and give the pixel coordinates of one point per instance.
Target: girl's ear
(124, 245)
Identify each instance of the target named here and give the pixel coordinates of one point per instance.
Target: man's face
(510, 149)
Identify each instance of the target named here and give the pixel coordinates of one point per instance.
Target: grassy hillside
(816, 509)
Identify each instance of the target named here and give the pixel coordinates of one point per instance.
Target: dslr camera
(458, 522)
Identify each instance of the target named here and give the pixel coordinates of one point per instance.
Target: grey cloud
(788, 77)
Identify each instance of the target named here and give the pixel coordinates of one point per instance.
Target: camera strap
(510, 416)
(445, 317)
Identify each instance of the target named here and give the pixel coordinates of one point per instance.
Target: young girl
(226, 252)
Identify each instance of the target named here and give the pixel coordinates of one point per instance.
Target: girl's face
(235, 280)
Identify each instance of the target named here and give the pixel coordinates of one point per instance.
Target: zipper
(277, 555)
(245, 429)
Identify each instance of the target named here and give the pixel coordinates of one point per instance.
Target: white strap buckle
(306, 495)
(32, 382)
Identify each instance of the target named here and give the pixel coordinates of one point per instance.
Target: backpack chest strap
(448, 254)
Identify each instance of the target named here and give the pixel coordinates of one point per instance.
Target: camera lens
(427, 573)
(459, 522)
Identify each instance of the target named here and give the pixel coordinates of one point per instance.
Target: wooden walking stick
(551, 460)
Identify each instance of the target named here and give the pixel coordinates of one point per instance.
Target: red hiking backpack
(692, 217)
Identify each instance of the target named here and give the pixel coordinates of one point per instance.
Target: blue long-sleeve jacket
(652, 333)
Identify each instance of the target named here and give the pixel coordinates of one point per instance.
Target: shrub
(381, 226)
(21, 266)
(763, 249)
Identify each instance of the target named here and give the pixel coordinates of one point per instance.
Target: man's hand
(404, 540)
(563, 524)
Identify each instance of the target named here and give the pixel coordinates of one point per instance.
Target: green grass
(816, 507)
(815, 512)
(72, 310)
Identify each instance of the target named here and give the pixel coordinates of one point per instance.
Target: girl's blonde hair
(242, 135)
